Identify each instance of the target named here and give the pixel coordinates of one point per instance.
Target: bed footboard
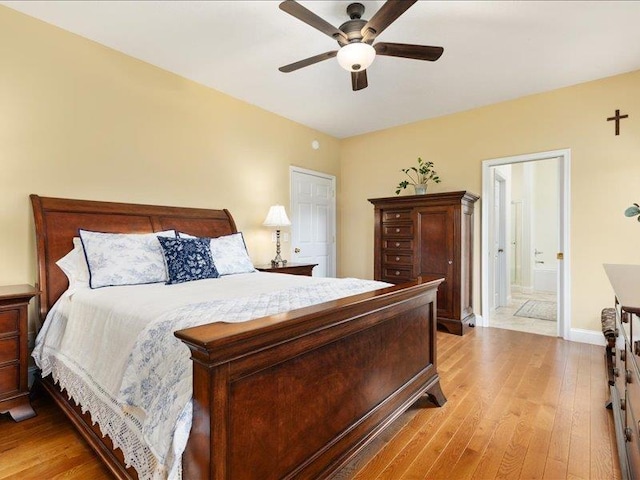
(297, 395)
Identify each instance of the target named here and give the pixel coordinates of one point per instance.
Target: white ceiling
(493, 51)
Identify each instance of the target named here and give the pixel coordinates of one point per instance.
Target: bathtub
(545, 279)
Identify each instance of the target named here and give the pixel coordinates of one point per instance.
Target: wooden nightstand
(290, 268)
(14, 351)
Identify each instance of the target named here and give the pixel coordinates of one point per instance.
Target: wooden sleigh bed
(294, 395)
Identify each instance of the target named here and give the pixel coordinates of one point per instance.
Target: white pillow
(230, 255)
(124, 258)
(74, 266)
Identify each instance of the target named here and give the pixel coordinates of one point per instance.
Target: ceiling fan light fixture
(357, 56)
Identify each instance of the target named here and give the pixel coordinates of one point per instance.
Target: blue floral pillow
(187, 259)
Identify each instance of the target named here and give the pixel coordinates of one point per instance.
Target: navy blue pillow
(187, 259)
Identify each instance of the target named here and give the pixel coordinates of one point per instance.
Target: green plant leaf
(632, 211)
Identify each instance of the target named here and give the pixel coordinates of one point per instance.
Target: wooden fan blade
(384, 17)
(308, 61)
(359, 80)
(307, 16)
(405, 50)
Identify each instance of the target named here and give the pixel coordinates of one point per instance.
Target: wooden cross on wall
(617, 117)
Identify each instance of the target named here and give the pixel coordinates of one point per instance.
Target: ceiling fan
(356, 36)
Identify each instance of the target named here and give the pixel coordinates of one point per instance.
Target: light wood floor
(519, 406)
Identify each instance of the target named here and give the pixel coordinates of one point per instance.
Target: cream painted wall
(605, 175)
(79, 120)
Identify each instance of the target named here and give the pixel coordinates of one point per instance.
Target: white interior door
(313, 206)
(499, 243)
(516, 243)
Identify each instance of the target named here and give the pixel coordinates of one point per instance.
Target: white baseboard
(580, 335)
(593, 337)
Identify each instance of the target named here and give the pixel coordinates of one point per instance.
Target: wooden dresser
(429, 236)
(14, 354)
(624, 362)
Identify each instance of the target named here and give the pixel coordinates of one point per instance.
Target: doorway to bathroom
(525, 243)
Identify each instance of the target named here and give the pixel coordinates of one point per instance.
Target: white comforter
(114, 351)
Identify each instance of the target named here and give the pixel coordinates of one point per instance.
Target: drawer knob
(628, 377)
(623, 404)
(623, 355)
(628, 434)
(397, 244)
(450, 262)
(397, 273)
(397, 230)
(397, 259)
(625, 317)
(397, 215)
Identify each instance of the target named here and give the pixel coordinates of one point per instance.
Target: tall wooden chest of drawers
(14, 355)
(429, 236)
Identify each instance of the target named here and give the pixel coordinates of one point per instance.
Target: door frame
(564, 266)
(331, 270)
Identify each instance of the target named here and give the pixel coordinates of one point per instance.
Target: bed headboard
(57, 221)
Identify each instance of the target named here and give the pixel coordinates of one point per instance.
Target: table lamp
(277, 217)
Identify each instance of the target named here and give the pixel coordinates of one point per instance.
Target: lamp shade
(356, 57)
(277, 217)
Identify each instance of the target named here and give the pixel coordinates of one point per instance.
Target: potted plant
(633, 211)
(419, 177)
